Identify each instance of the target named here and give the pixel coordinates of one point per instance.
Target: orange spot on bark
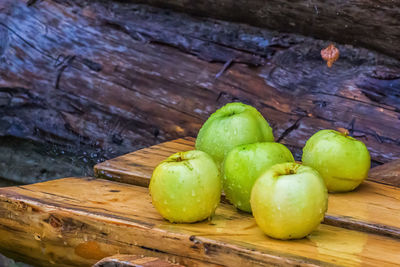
(90, 250)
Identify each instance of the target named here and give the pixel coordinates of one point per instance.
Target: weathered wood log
(133, 261)
(63, 223)
(103, 78)
(388, 173)
(358, 22)
(4, 261)
(23, 161)
(373, 207)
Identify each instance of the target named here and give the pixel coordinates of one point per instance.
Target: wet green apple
(232, 125)
(289, 201)
(342, 160)
(186, 187)
(244, 164)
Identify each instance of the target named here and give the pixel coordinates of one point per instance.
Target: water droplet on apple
(165, 202)
(193, 193)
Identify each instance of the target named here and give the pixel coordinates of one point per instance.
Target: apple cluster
(235, 152)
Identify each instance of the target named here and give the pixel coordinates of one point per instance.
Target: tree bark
(367, 23)
(106, 78)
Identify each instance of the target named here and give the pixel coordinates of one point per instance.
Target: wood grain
(373, 207)
(103, 78)
(352, 22)
(63, 223)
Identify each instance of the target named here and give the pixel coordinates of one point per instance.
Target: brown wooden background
(100, 78)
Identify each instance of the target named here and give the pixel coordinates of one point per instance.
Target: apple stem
(178, 157)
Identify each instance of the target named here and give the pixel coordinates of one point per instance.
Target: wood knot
(54, 221)
(37, 237)
(195, 240)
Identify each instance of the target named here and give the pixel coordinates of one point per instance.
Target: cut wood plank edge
(121, 176)
(125, 260)
(103, 171)
(351, 224)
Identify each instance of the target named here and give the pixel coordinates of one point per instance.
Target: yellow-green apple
(289, 201)
(186, 187)
(244, 164)
(232, 125)
(342, 160)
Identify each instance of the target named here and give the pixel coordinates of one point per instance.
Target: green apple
(342, 160)
(289, 201)
(232, 125)
(186, 187)
(244, 164)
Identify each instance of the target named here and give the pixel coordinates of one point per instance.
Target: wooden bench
(79, 221)
(370, 207)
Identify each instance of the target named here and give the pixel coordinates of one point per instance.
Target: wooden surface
(133, 261)
(373, 207)
(137, 167)
(63, 223)
(102, 78)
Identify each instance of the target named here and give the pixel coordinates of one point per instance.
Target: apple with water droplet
(186, 187)
(289, 201)
(232, 125)
(244, 164)
(342, 160)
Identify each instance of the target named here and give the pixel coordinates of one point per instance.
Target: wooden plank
(63, 223)
(136, 168)
(133, 261)
(373, 207)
